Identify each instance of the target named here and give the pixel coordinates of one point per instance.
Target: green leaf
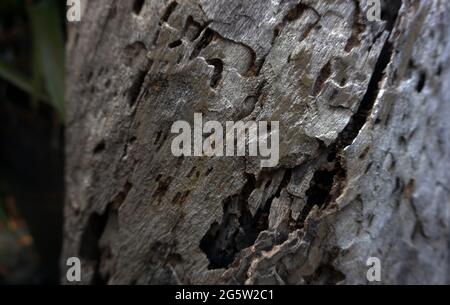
(48, 39)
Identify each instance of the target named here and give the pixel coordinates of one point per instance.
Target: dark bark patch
(90, 251)
(218, 69)
(135, 89)
(169, 10)
(204, 41)
(137, 6)
(421, 82)
(175, 44)
(324, 74)
(99, 147)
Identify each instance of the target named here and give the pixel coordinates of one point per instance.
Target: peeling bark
(364, 142)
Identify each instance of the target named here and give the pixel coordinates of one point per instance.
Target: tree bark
(364, 142)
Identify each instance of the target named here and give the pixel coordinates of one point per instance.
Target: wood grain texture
(364, 142)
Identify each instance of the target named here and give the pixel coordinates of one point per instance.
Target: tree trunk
(364, 142)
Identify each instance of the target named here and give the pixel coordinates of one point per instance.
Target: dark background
(31, 140)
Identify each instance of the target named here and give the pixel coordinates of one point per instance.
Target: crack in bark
(238, 229)
(326, 184)
(351, 130)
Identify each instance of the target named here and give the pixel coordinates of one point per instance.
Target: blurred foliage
(43, 80)
(3, 217)
(8, 7)
(31, 78)
(18, 260)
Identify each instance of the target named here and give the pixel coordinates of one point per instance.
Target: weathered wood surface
(364, 142)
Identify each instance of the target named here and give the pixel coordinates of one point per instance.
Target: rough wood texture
(364, 142)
